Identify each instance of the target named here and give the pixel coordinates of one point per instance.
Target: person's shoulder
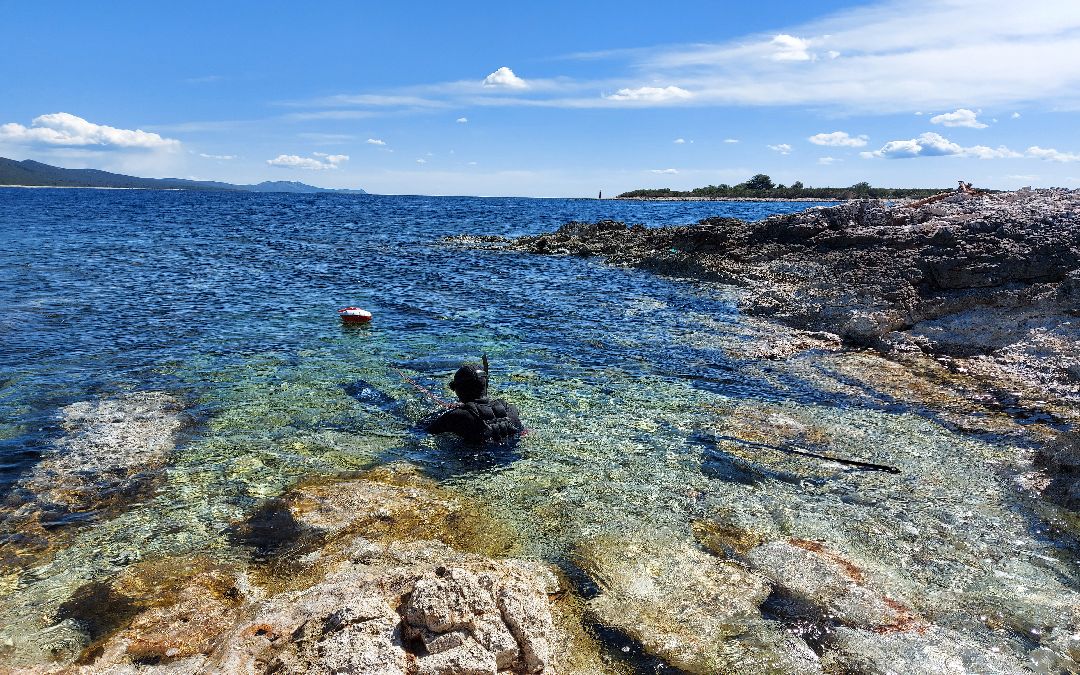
(450, 419)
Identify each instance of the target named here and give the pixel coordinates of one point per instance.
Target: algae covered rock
(696, 612)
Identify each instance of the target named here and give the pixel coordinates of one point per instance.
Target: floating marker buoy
(354, 315)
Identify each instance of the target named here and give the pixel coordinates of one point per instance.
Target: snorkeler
(478, 418)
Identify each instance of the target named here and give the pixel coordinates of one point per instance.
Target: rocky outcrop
(358, 582)
(970, 274)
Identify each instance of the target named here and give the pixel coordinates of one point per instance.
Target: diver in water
(478, 418)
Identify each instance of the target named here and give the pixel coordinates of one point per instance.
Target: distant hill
(31, 173)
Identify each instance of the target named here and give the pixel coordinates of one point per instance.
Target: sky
(560, 98)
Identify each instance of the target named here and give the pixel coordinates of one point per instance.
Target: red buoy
(354, 315)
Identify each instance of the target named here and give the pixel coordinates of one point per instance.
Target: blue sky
(549, 99)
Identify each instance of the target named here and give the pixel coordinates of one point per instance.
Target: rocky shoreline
(730, 199)
(990, 278)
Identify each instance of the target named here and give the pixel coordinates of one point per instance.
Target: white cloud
(1000, 58)
(960, 118)
(936, 145)
(731, 140)
(1023, 177)
(504, 77)
(782, 148)
(462, 120)
(65, 129)
(1051, 155)
(1015, 116)
(667, 171)
(375, 141)
(679, 141)
(868, 58)
(839, 139)
(651, 94)
(790, 48)
(828, 160)
(222, 157)
(321, 161)
(421, 161)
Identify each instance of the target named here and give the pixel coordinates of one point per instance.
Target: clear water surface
(229, 302)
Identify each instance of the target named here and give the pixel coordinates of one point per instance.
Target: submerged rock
(696, 612)
(1061, 461)
(835, 590)
(111, 454)
(936, 650)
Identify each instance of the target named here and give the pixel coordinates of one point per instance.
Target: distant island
(761, 186)
(29, 173)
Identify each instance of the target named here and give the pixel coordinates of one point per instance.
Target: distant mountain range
(31, 173)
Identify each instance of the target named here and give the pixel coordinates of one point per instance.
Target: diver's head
(470, 382)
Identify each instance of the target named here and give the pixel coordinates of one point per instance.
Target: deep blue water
(108, 291)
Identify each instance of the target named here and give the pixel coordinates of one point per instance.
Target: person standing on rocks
(478, 419)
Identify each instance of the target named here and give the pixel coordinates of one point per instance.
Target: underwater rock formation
(696, 612)
(809, 574)
(1061, 461)
(110, 454)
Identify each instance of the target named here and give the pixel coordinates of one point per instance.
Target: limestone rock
(694, 611)
(936, 650)
(811, 575)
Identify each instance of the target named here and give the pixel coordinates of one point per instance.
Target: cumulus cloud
(667, 171)
(936, 145)
(462, 120)
(421, 161)
(960, 118)
(222, 157)
(782, 148)
(375, 141)
(504, 77)
(679, 141)
(65, 129)
(839, 139)
(1015, 116)
(651, 94)
(319, 162)
(731, 140)
(790, 48)
(1051, 155)
(827, 160)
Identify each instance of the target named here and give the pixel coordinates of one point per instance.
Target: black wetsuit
(480, 420)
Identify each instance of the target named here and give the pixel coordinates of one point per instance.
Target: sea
(626, 380)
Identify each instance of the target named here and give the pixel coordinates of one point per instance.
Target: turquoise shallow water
(625, 379)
